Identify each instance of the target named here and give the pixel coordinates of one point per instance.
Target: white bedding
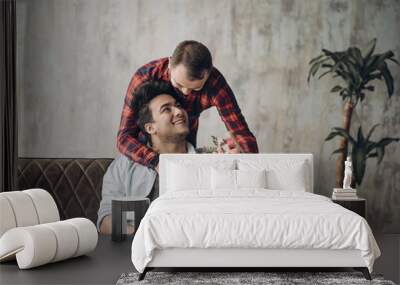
(252, 218)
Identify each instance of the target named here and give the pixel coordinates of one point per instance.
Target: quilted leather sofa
(74, 183)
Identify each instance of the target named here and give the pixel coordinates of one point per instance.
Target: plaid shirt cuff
(154, 161)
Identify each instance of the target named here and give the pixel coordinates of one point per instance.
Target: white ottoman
(31, 232)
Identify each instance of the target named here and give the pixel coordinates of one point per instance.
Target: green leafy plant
(358, 70)
(213, 148)
(218, 144)
(362, 149)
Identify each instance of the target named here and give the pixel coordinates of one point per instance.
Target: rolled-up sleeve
(225, 102)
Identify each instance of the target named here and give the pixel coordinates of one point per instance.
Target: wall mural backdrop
(75, 60)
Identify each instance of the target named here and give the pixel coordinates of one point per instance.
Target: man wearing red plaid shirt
(190, 71)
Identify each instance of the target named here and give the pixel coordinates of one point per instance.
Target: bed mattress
(250, 219)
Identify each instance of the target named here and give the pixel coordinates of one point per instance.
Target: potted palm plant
(358, 71)
(362, 149)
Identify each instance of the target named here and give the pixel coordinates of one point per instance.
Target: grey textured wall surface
(75, 60)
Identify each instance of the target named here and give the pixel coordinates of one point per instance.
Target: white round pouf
(7, 218)
(67, 240)
(87, 234)
(23, 208)
(31, 232)
(33, 246)
(45, 206)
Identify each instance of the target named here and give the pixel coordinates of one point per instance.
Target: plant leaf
(314, 68)
(372, 64)
(387, 55)
(344, 93)
(316, 65)
(339, 150)
(388, 79)
(361, 96)
(360, 137)
(359, 162)
(336, 88)
(370, 146)
(325, 73)
(355, 53)
(369, 88)
(354, 73)
(370, 49)
(373, 76)
(380, 151)
(214, 140)
(394, 60)
(380, 146)
(327, 65)
(345, 134)
(315, 59)
(370, 132)
(336, 56)
(332, 135)
(385, 141)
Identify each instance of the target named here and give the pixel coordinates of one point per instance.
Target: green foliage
(206, 149)
(357, 69)
(213, 148)
(215, 141)
(362, 149)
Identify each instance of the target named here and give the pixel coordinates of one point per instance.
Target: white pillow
(291, 177)
(226, 179)
(281, 174)
(185, 175)
(251, 178)
(223, 179)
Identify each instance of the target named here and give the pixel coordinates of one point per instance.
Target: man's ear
(150, 129)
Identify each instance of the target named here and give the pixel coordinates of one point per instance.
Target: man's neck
(170, 147)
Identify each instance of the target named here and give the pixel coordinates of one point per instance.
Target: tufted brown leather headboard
(74, 183)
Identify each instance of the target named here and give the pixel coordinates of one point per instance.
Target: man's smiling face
(170, 120)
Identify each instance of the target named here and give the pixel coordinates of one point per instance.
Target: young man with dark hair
(199, 85)
(144, 95)
(166, 124)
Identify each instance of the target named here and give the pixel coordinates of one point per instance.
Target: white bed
(201, 219)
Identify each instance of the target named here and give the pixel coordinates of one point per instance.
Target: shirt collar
(190, 148)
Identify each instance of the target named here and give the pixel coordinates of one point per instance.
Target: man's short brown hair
(194, 56)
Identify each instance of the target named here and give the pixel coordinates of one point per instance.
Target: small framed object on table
(121, 209)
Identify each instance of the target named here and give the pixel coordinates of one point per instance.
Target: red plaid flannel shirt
(216, 92)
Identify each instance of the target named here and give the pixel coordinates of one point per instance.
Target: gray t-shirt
(127, 179)
(155, 191)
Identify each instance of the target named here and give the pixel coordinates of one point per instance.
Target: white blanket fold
(252, 218)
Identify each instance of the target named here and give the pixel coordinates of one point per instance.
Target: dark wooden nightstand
(118, 217)
(358, 205)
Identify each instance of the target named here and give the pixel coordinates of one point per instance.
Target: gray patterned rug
(230, 278)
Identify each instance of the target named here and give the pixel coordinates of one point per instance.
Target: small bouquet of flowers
(221, 145)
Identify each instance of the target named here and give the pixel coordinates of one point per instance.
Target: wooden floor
(388, 263)
(110, 260)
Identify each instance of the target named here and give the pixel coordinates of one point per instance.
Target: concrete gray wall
(75, 59)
